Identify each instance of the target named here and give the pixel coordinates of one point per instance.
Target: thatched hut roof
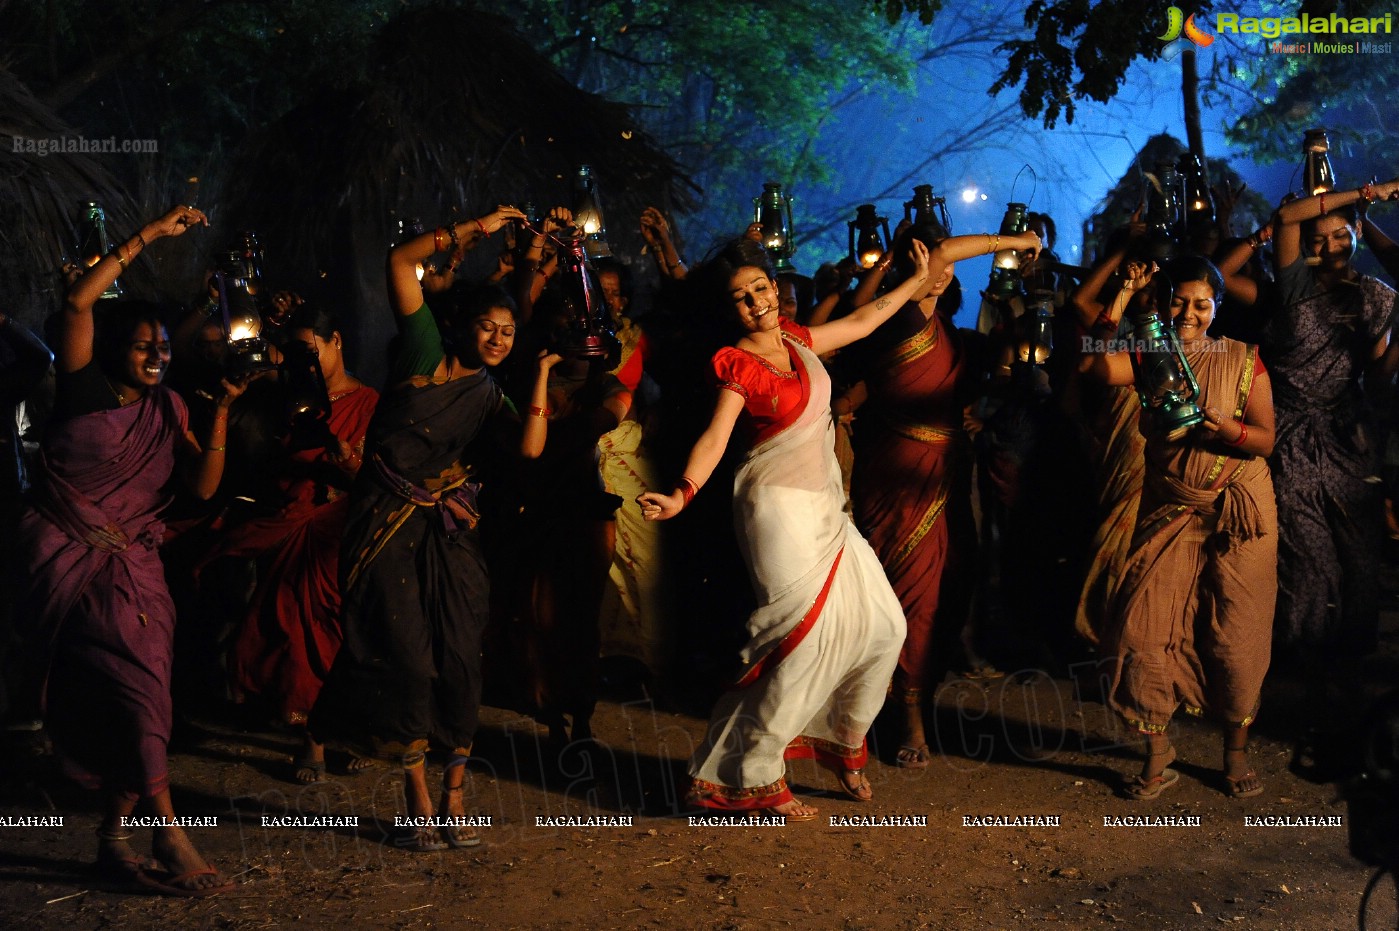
(1115, 210)
(459, 113)
(42, 193)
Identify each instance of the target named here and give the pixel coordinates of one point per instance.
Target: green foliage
(735, 89)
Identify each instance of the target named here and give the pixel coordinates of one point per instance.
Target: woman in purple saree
(95, 576)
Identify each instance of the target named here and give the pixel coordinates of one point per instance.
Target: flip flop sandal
(316, 768)
(1236, 792)
(418, 840)
(163, 882)
(461, 836)
(1144, 790)
(774, 813)
(913, 757)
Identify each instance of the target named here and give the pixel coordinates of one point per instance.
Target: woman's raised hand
(558, 218)
(492, 222)
(176, 221)
(1030, 250)
(653, 225)
(545, 362)
(1138, 275)
(919, 253)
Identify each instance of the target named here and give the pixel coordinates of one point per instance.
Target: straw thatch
(41, 201)
(459, 114)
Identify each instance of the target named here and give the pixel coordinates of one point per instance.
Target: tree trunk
(1190, 92)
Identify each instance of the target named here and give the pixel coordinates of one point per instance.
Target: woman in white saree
(826, 635)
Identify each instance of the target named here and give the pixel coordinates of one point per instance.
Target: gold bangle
(216, 449)
(997, 247)
(989, 250)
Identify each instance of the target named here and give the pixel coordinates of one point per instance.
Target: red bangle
(1367, 191)
(1322, 198)
(482, 227)
(537, 411)
(1243, 435)
(437, 236)
(687, 489)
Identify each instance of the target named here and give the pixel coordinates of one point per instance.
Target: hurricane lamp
(866, 246)
(772, 210)
(587, 213)
(1165, 383)
(1318, 177)
(1005, 264)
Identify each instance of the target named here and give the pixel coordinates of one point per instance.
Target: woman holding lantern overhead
(827, 631)
(414, 586)
(1190, 621)
(911, 458)
(1333, 325)
(97, 584)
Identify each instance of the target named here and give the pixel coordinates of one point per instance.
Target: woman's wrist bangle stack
(992, 247)
(439, 237)
(1367, 192)
(1243, 435)
(537, 411)
(687, 489)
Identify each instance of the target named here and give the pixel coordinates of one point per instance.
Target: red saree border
(919, 344)
(833, 756)
(794, 638)
(727, 798)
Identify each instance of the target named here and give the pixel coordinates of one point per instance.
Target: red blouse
(769, 395)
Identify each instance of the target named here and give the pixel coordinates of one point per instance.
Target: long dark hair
(314, 317)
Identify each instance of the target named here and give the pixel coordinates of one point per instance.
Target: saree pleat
(1193, 613)
(97, 587)
(828, 627)
(415, 590)
(909, 455)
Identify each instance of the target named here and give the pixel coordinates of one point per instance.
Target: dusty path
(1017, 747)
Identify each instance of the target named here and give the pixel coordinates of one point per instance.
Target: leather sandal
(861, 791)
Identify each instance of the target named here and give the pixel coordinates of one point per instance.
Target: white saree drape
(811, 688)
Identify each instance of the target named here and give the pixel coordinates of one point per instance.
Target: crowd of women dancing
(907, 499)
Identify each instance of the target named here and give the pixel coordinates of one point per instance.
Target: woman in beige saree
(1192, 616)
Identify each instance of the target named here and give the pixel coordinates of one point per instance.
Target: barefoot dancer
(827, 631)
(1192, 616)
(97, 582)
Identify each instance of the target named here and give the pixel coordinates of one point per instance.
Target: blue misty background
(875, 141)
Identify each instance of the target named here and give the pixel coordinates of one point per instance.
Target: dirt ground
(1024, 746)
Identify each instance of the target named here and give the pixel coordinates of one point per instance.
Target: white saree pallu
(825, 638)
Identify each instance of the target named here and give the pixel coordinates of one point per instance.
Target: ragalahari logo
(1178, 25)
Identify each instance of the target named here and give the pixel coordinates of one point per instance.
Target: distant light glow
(969, 195)
(983, 196)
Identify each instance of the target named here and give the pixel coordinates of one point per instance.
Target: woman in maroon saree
(96, 580)
(292, 632)
(911, 472)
